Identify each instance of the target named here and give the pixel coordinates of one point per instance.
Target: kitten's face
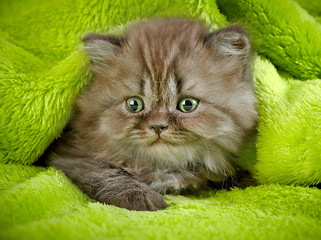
(168, 91)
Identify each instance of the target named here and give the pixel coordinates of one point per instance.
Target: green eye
(135, 104)
(187, 105)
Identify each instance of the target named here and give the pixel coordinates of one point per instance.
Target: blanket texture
(43, 69)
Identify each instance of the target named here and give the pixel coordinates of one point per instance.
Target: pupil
(133, 105)
(188, 105)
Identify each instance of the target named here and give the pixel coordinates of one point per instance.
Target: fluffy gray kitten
(169, 106)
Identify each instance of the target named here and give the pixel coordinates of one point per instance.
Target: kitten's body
(127, 158)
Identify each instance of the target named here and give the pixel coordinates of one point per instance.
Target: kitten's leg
(109, 184)
(165, 182)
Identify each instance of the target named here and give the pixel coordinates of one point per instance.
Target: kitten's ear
(100, 47)
(229, 41)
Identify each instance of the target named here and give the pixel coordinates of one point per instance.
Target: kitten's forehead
(161, 37)
(160, 42)
(160, 46)
(162, 91)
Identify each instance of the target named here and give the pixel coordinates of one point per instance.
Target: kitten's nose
(158, 128)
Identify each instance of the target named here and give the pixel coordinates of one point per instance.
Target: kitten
(169, 107)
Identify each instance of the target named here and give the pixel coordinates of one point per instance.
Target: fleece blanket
(42, 69)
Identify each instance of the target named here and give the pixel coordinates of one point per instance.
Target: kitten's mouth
(169, 139)
(159, 141)
(163, 141)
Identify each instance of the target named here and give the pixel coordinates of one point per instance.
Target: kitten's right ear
(230, 41)
(100, 47)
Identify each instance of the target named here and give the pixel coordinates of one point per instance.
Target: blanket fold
(282, 31)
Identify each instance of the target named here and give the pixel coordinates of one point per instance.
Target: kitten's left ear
(100, 47)
(229, 41)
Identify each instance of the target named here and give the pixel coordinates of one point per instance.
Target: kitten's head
(168, 90)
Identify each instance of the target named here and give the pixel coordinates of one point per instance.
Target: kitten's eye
(135, 104)
(187, 105)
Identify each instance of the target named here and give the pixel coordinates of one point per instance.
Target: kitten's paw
(138, 197)
(142, 200)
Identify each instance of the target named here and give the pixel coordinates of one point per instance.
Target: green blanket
(42, 69)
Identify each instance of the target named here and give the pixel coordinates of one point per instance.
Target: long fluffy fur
(115, 156)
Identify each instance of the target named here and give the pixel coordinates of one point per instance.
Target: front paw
(146, 200)
(138, 198)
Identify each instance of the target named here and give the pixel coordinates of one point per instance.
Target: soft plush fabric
(38, 203)
(43, 68)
